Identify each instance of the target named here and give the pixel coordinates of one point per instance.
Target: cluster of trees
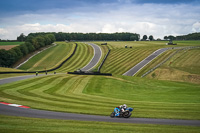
(144, 38)
(60, 36)
(192, 36)
(21, 38)
(32, 43)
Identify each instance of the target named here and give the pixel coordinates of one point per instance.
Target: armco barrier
(90, 73)
(99, 68)
(49, 70)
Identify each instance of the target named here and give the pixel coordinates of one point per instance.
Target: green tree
(165, 37)
(21, 38)
(47, 40)
(35, 43)
(171, 37)
(3, 54)
(24, 49)
(150, 37)
(52, 37)
(30, 47)
(18, 52)
(29, 38)
(41, 41)
(144, 37)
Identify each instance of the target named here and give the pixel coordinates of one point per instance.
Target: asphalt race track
(33, 113)
(143, 63)
(95, 59)
(13, 79)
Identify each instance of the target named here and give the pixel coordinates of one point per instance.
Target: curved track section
(33, 113)
(96, 58)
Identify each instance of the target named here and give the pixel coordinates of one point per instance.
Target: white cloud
(150, 19)
(196, 27)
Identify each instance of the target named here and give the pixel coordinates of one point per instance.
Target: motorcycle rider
(119, 109)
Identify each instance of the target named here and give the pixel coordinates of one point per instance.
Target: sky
(145, 17)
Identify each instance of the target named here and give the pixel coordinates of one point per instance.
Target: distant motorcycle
(125, 114)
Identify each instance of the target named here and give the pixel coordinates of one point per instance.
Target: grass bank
(100, 95)
(49, 58)
(9, 124)
(184, 67)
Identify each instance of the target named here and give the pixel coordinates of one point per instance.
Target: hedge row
(9, 57)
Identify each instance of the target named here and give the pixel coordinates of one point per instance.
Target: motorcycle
(125, 114)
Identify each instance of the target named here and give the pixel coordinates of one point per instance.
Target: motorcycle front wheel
(126, 114)
(112, 115)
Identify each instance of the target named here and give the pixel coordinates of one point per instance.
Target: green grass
(81, 58)
(99, 95)
(186, 60)
(183, 66)
(155, 44)
(11, 43)
(10, 124)
(49, 58)
(121, 60)
(4, 69)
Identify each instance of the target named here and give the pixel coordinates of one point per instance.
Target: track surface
(33, 113)
(143, 63)
(95, 59)
(13, 79)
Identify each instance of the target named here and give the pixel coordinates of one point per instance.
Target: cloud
(149, 19)
(196, 27)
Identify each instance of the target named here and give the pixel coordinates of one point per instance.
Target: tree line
(60, 36)
(32, 43)
(192, 36)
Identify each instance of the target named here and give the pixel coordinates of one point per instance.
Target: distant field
(11, 43)
(155, 44)
(100, 95)
(7, 47)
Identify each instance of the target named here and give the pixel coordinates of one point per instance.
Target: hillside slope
(184, 66)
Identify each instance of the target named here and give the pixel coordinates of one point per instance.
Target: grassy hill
(99, 95)
(184, 66)
(121, 59)
(52, 57)
(49, 58)
(82, 57)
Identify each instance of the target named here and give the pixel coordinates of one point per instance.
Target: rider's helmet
(125, 106)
